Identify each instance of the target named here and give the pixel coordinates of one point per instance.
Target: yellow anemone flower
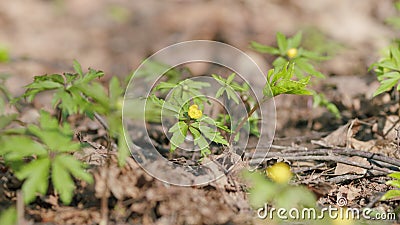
(279, 172)
(194, 112)
(291, 53)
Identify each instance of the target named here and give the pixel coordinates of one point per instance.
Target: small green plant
(77, 93)
(186, 103)
(395, 183)
(39, 153)
(289, 50)
(301, 60)
(388, 70)
(47, 149)
(280, 192)
(68, 89)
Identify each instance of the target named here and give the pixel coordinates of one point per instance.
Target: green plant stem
(244, 120)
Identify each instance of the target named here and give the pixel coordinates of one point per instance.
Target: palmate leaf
(63, 166)
(36, 175)
(56, 138)
(19, 147)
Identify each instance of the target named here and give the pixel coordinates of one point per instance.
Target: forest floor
(115, 36)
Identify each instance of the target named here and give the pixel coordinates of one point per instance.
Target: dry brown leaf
(347, 169)
(340, 137)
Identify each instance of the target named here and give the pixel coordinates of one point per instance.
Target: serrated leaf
(75, 167)
(62, 180)
(19, 147)
(44, 85)
(36, 178)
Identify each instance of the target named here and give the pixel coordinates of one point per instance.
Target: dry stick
(339, 159)
(20, 209)
(346, 152)
(255, 107)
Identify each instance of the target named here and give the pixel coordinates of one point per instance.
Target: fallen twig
(379, 164)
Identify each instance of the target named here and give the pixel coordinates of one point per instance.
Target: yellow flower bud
(291, 53)
(194, 112)
(279, 172)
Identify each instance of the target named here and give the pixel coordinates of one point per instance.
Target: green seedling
(47, 148)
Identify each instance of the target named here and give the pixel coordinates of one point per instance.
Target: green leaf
(179, 132)
(264, 48)
(44, 85)
(220, 92)
(395, 183)
(6, 120)
(36, 178)
(75, 167)
(390, 194)
(56, 78)
(62, 180)
(395, 53)
(115, 90)
(199, 140)
(395, 175)
(212, 135)
(9, 216)
(282, 43)
(295, 41)
(230, 78)
(19, 147)
(78, 68)
(385, 86)
(231, 94)
(123, 149)
(4, 54)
